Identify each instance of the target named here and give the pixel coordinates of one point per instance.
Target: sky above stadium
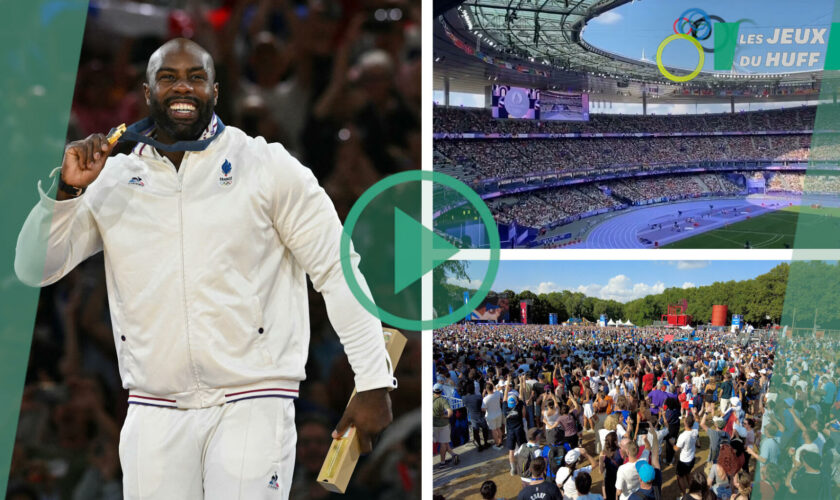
(643, 24)
(618, 280)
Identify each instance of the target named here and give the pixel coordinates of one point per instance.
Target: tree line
(802, 291)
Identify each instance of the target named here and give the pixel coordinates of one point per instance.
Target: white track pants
(241, 450)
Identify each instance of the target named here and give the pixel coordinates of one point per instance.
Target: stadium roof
(547, 37)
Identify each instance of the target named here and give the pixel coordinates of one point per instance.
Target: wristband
(67, 188)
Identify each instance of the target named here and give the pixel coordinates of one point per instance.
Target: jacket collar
(146, 128)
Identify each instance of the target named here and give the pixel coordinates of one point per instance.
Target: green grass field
(793, 227)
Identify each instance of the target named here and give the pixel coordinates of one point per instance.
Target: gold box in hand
(344, 452)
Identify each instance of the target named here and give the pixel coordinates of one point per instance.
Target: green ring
(413, 176)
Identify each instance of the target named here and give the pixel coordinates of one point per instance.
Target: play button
(418, 250)
(395, 250)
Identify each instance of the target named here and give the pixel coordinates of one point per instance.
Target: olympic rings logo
(694, 25)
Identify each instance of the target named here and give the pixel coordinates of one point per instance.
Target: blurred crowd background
(337, 82)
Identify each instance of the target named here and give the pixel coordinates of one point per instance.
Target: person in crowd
(539, 488)
(442, 412)
(570, 470)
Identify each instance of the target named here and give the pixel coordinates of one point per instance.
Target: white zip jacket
(206, 270)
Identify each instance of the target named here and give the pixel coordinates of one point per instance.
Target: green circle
(486, 218)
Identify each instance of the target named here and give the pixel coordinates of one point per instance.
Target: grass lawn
(793, 227)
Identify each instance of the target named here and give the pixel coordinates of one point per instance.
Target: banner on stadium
(523, 309)
(552, 318)
(573, 135)
(470, 50)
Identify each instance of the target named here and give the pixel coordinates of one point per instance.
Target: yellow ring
(665, 72)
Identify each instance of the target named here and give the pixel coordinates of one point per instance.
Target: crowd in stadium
(339, 92)
(458, 120)
(686, 186)
(500, 158)
(590, 412)
(542, 208)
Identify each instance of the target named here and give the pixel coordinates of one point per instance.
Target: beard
(181, 131)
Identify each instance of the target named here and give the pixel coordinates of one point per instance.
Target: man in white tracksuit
(206, 255)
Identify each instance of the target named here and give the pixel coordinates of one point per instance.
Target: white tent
(687, 327)
(611, 323)
(628, 323)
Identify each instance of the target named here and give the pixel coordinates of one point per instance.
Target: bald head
(179, 47)
(180, 90)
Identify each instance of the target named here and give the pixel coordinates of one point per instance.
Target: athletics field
(817, 228)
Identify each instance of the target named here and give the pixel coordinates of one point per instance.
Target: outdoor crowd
(504, 158)
(585, 412)
(542, 208)
(339, 90)
(455, 120)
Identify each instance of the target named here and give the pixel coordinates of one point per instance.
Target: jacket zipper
(183, 272)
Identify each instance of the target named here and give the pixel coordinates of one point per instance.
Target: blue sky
(643, 24)
(618, 280)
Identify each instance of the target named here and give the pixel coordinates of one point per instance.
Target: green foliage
(814, 286)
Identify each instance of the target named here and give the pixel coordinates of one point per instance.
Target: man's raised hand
(84, 159)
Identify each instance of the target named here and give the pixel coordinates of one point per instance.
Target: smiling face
(181, 91)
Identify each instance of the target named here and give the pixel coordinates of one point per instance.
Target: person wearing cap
(539, 488)
(441, 412)
(515, 424)
(647, 476)
(569, 471)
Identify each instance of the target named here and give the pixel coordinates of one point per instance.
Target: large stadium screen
(495, 309)
(566, 106)
(515, 102)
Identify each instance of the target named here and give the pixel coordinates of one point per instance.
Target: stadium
(571, 145)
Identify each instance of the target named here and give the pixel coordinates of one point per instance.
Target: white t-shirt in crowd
(627, 480)
(492, 405)
(569, 489)
(687, 444)
(602, 436)
(813, 447)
